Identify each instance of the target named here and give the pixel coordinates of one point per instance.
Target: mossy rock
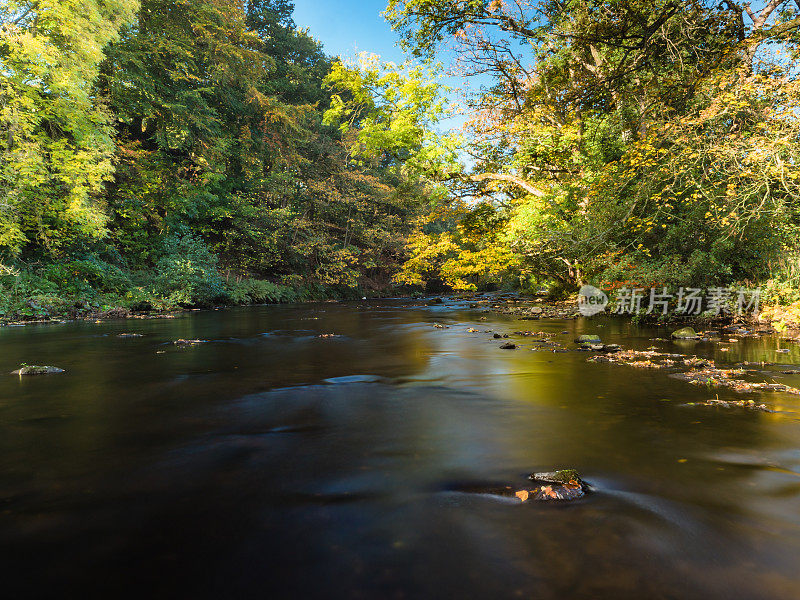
(564, 484)
(593, 339)
(686, 333)
(562, 476)
(37, 370)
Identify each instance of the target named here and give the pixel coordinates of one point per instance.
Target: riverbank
(774, 318)
(23, 304)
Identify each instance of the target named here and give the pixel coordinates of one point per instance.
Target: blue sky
(347, 27)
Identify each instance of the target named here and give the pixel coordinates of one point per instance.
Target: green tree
(650, 137)
(56, 136)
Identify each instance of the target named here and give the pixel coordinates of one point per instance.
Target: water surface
(270, 462)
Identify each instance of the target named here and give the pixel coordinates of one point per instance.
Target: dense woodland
(185, 153)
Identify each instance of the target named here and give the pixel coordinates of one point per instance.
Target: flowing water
(270, 462)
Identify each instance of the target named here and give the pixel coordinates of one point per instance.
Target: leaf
(547, 490)
(522, 495)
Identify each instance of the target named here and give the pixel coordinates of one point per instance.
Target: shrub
(86, 277)
(252, 291)
(187, 273)
(17, 289)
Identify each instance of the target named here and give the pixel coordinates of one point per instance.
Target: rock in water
(37, 370)
(508, 346)
(686, 333)
(594, 339)
(562, 476)
(558, 485)
(188, 342)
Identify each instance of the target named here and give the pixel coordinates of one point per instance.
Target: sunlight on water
(268, 460)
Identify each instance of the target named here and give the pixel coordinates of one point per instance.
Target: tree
(56, 138)
(582, 124)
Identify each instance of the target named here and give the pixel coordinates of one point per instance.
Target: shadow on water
(271, 462)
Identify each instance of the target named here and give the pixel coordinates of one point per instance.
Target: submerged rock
(727, 378)
(183, 342)
(355, 379)
(686, 333)
(748, 404)
(596, 346)
(37, 370)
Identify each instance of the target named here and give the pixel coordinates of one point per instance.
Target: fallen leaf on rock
(522, 495)
(547, 490)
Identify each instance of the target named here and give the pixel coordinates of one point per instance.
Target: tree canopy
(640, 142)
(207, 136)
(215, 144)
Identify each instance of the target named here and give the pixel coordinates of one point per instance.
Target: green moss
(684, 333)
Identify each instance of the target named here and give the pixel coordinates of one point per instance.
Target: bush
(86, 276)
(18, 290)
(783, 285)
(254, 291)
(187, 273)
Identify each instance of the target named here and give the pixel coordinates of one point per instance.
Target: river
(271, 462)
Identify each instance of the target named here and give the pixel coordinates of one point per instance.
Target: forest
(175, 153)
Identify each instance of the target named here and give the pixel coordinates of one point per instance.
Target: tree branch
(510, 179)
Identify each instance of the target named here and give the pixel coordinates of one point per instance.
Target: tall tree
(591, 105)
(56, 136)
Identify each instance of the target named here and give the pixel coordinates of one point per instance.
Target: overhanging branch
(510, 179)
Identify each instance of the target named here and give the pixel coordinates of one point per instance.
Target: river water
(270, 462)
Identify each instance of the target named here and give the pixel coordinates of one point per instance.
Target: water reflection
(233, 468)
